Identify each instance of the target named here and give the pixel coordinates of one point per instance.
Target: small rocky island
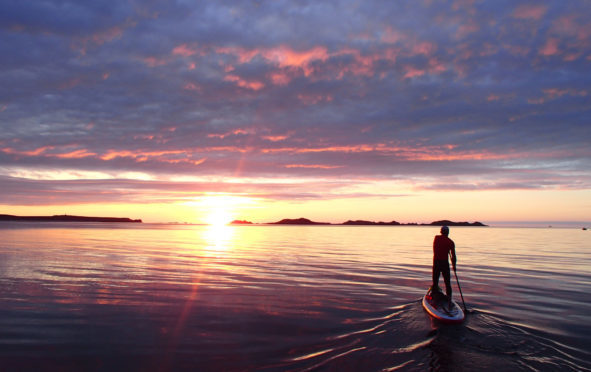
(65, 218)
(298, 221)
(371, 223)
(305, 221)
(240, 222)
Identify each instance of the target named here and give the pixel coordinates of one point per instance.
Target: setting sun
(220, 216)
(221, 209)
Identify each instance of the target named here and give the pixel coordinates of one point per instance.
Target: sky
(190, 111)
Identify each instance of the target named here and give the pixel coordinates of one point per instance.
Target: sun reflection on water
(218, 238)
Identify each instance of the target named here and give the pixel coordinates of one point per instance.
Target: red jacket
(442, 245)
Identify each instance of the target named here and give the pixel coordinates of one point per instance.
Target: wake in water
(406, 338)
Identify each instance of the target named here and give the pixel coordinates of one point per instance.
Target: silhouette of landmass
(451, 223)
(298, 221)
(65, 218)
(396, 223)
(305, 221)
(240, 222)
(362, 222)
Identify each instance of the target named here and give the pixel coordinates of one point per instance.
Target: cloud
(334, 90)
(530, 11)
(550, 48)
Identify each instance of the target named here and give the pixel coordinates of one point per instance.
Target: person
(442, 247)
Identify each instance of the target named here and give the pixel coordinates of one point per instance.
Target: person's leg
(446, 278)
(436, 271)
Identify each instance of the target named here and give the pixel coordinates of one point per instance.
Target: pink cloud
(275, 138)
(287, 57)
(101, 37)
(466, 29)
(191, 86)
(107, 35)
(38, 151)
(234, 132)
(425, 48)
(52, 152)
(488, 49)
(412, 72)
(566, 25)
(572, 26)
(535, 12)
(139, 155)
(305, 150)
(571, 57)
(363, 65)
(312, 99)
(244, 55)
(247, 84)
(554, 93)
(77, 154)
(436, 66)
(291, 63)
(283, 56)
(517, 50)
(280, 78)
(493, 97)
(536, 101)
(445, 152)
(169, 157)
(184, 51)
(70, 83)
(550, 48)
(186, 161)
(391, 36)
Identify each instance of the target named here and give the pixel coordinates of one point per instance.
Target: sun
(219, 217)
(221, 209)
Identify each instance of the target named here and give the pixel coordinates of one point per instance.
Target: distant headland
(65, 218)
(298, 221)
(305, 221)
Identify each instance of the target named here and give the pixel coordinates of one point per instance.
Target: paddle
(460, 288)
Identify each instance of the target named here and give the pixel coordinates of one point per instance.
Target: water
(296, 298)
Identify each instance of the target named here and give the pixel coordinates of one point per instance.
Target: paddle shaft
(460, 288)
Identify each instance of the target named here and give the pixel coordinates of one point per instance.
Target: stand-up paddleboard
(438, 306)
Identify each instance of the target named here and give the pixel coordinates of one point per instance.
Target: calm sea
(288, 298)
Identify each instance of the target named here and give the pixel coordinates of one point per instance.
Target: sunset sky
(382, 110)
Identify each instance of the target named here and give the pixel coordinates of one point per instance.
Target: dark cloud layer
(447, 95)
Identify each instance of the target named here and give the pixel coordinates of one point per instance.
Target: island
(451, 223)
(240, 222)
(371, 223)
(306, 221)
(396, 223)
(65, 218)
(298, 221)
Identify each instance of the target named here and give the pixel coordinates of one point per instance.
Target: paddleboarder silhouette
(442, 247)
